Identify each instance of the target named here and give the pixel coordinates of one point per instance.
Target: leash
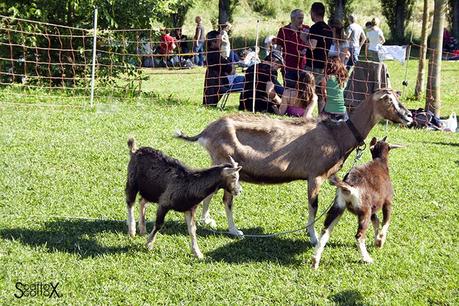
(274, 234)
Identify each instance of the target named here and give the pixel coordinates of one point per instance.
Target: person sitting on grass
(300, 103)
(267, 88)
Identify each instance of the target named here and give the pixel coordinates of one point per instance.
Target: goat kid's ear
(230, 171)
(373, 142)
(384, 139)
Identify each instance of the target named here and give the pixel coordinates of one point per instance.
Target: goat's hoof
(209, 222)
(199, 255)
(315, 263)
(236, 232)
(132, 234)
(149, 246)
(142, 231)
(368, 260)
(379, 242)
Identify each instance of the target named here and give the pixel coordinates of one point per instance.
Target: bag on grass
(425, 119)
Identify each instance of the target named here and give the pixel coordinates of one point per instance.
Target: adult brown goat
(274, 151)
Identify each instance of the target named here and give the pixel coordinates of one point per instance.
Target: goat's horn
(233, 161)
(395, 146)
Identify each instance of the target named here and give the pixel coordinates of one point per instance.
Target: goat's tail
(179, 134)
(132, 145)
(337, 182)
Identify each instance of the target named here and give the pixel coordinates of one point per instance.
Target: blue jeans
(199, 58)
(354, 58)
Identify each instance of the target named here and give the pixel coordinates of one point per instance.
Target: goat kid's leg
(313, 203)
(142, 209)
(160, 214)
(130, 218)
(333, 216)
(381, 238)
(191, 224)
(206, 219)
(364, 221)
(375, 222)
(228, 200)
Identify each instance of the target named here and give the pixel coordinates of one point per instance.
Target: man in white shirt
(356, 37)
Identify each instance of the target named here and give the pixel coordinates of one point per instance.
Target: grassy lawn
(63, 211)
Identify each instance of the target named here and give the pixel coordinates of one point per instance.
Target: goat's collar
(355, 132)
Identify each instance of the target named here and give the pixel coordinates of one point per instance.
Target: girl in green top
(336, 77)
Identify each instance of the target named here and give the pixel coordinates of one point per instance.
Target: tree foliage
(398, 15)
(113, 14)
(120, 52)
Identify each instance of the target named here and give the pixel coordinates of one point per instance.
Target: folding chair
(224, 98)
(234, 88)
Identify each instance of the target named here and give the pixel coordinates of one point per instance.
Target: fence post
(255, 69)
(93, 68)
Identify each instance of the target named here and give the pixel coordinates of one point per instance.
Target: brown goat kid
(365, 190)
(282, 150)
(164, 180)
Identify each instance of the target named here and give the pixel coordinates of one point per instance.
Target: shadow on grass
(81, 237)
(348, 297)
(70, 236)
(453, 144)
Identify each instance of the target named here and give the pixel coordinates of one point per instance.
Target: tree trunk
(398, 32)
(339, 10)
(433, 102)
(455, 26)
(223, 11)
(423, 51)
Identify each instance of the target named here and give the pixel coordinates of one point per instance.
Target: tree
(423, 51)
(398, 15)
(339, 9)
(433, 102)
(225, 10)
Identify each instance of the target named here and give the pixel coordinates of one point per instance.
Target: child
(336, 77)
(300, 103)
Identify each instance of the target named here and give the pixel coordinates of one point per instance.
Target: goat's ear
(395, 146)
(233, 162)
(384, 139)
(373, 141)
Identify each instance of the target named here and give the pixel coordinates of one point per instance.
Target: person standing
(216, 81)
(333, 86)
(318, 42)
(356, 36)
(198, 42)
(340, 43)
(293, 50)
(375, 40)
(226, 45)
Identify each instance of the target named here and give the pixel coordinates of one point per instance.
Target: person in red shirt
(294, 50)
(167, 45)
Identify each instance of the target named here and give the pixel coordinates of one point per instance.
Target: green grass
(63, 211)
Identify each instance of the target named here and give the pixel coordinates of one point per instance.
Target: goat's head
(381, 148)
(389, 107)
(230, 174)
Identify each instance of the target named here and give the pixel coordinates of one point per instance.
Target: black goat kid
(164, 180)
